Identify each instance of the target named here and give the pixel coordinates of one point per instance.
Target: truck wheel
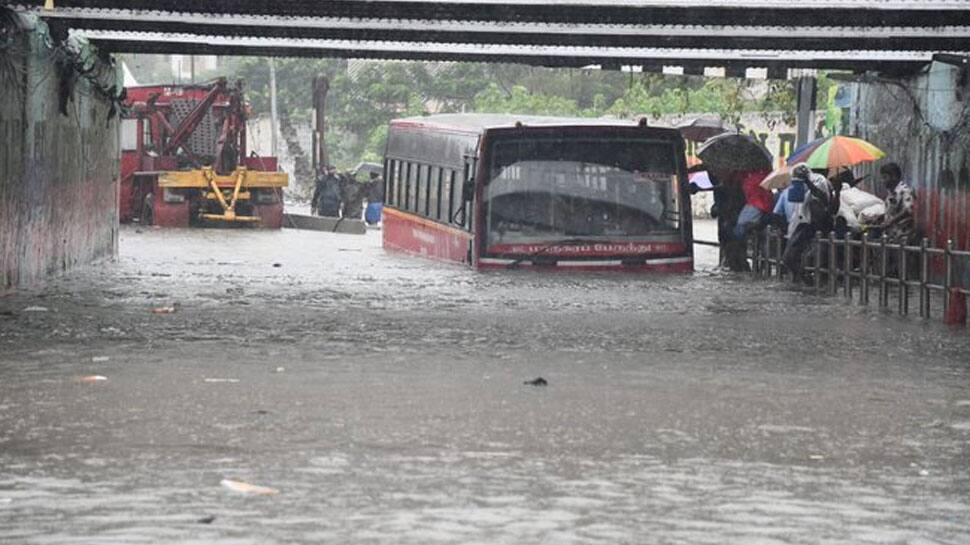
(148, 210)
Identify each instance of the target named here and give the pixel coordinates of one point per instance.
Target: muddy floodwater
(381, 397)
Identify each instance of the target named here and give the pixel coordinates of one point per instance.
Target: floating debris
(246, 488)
(538, 381)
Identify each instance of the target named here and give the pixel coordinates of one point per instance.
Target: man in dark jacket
(326, 193)
(353, 196)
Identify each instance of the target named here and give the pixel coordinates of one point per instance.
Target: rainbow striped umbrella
(833, 152)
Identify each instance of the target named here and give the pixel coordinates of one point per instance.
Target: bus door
(468, 191)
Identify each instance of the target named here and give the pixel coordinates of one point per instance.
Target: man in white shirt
(811, 215)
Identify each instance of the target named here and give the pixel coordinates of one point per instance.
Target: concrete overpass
(889, 35)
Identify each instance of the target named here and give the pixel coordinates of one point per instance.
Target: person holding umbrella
(730, 200)
(733, 159)
(815, 201)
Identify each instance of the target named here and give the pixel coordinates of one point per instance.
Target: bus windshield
(607, 188)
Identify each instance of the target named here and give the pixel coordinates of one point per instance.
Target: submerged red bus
(503, 191)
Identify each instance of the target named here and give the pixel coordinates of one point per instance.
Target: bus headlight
(172, 195)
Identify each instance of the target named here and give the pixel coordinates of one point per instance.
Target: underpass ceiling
(887, 35)
(672, 12)
(694, 60)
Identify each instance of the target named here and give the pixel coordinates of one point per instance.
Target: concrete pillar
(805, 89)
(320, 87)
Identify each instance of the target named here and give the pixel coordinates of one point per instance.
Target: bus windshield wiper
(545, 248)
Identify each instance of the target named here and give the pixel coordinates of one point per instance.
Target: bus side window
(421, 187)
(434, 190)
(389, 180)
(396, 181)
(455, 183)
(406, 184)
(428, 180)
(444, 199)
(416, 199)
(402, 184)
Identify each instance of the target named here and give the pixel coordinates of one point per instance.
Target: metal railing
(863, 266)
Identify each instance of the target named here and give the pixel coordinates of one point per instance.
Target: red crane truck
(184, 160)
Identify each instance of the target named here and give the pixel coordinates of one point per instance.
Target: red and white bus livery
(502, 191)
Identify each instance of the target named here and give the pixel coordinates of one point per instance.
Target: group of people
(340, 194)
(812, 203)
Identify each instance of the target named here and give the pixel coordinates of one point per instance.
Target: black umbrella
(734, 152)
(700, 129)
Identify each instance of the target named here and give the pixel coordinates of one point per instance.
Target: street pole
(273, 113)
(805, 92)
(320, 87)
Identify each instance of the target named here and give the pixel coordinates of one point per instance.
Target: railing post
(947, 274)
(778, 263)
(832, 267)
(756, 255)
(864, 273)
(903, 279)
(767, 249)
(883, 265)
(847, 269)
(924, 273)
(818, 262)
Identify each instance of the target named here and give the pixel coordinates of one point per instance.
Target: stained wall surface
(923, 123)
(58, 173)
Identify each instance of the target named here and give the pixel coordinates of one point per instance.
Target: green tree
(365, 96)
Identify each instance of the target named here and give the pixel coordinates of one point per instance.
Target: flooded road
(383, 397)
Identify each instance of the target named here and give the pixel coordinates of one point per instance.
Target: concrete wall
(293, 153)
(58, 173)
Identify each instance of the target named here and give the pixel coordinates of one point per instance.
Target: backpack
(796, 193)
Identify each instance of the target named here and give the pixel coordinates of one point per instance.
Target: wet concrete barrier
(59, 156)
(324, 223)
